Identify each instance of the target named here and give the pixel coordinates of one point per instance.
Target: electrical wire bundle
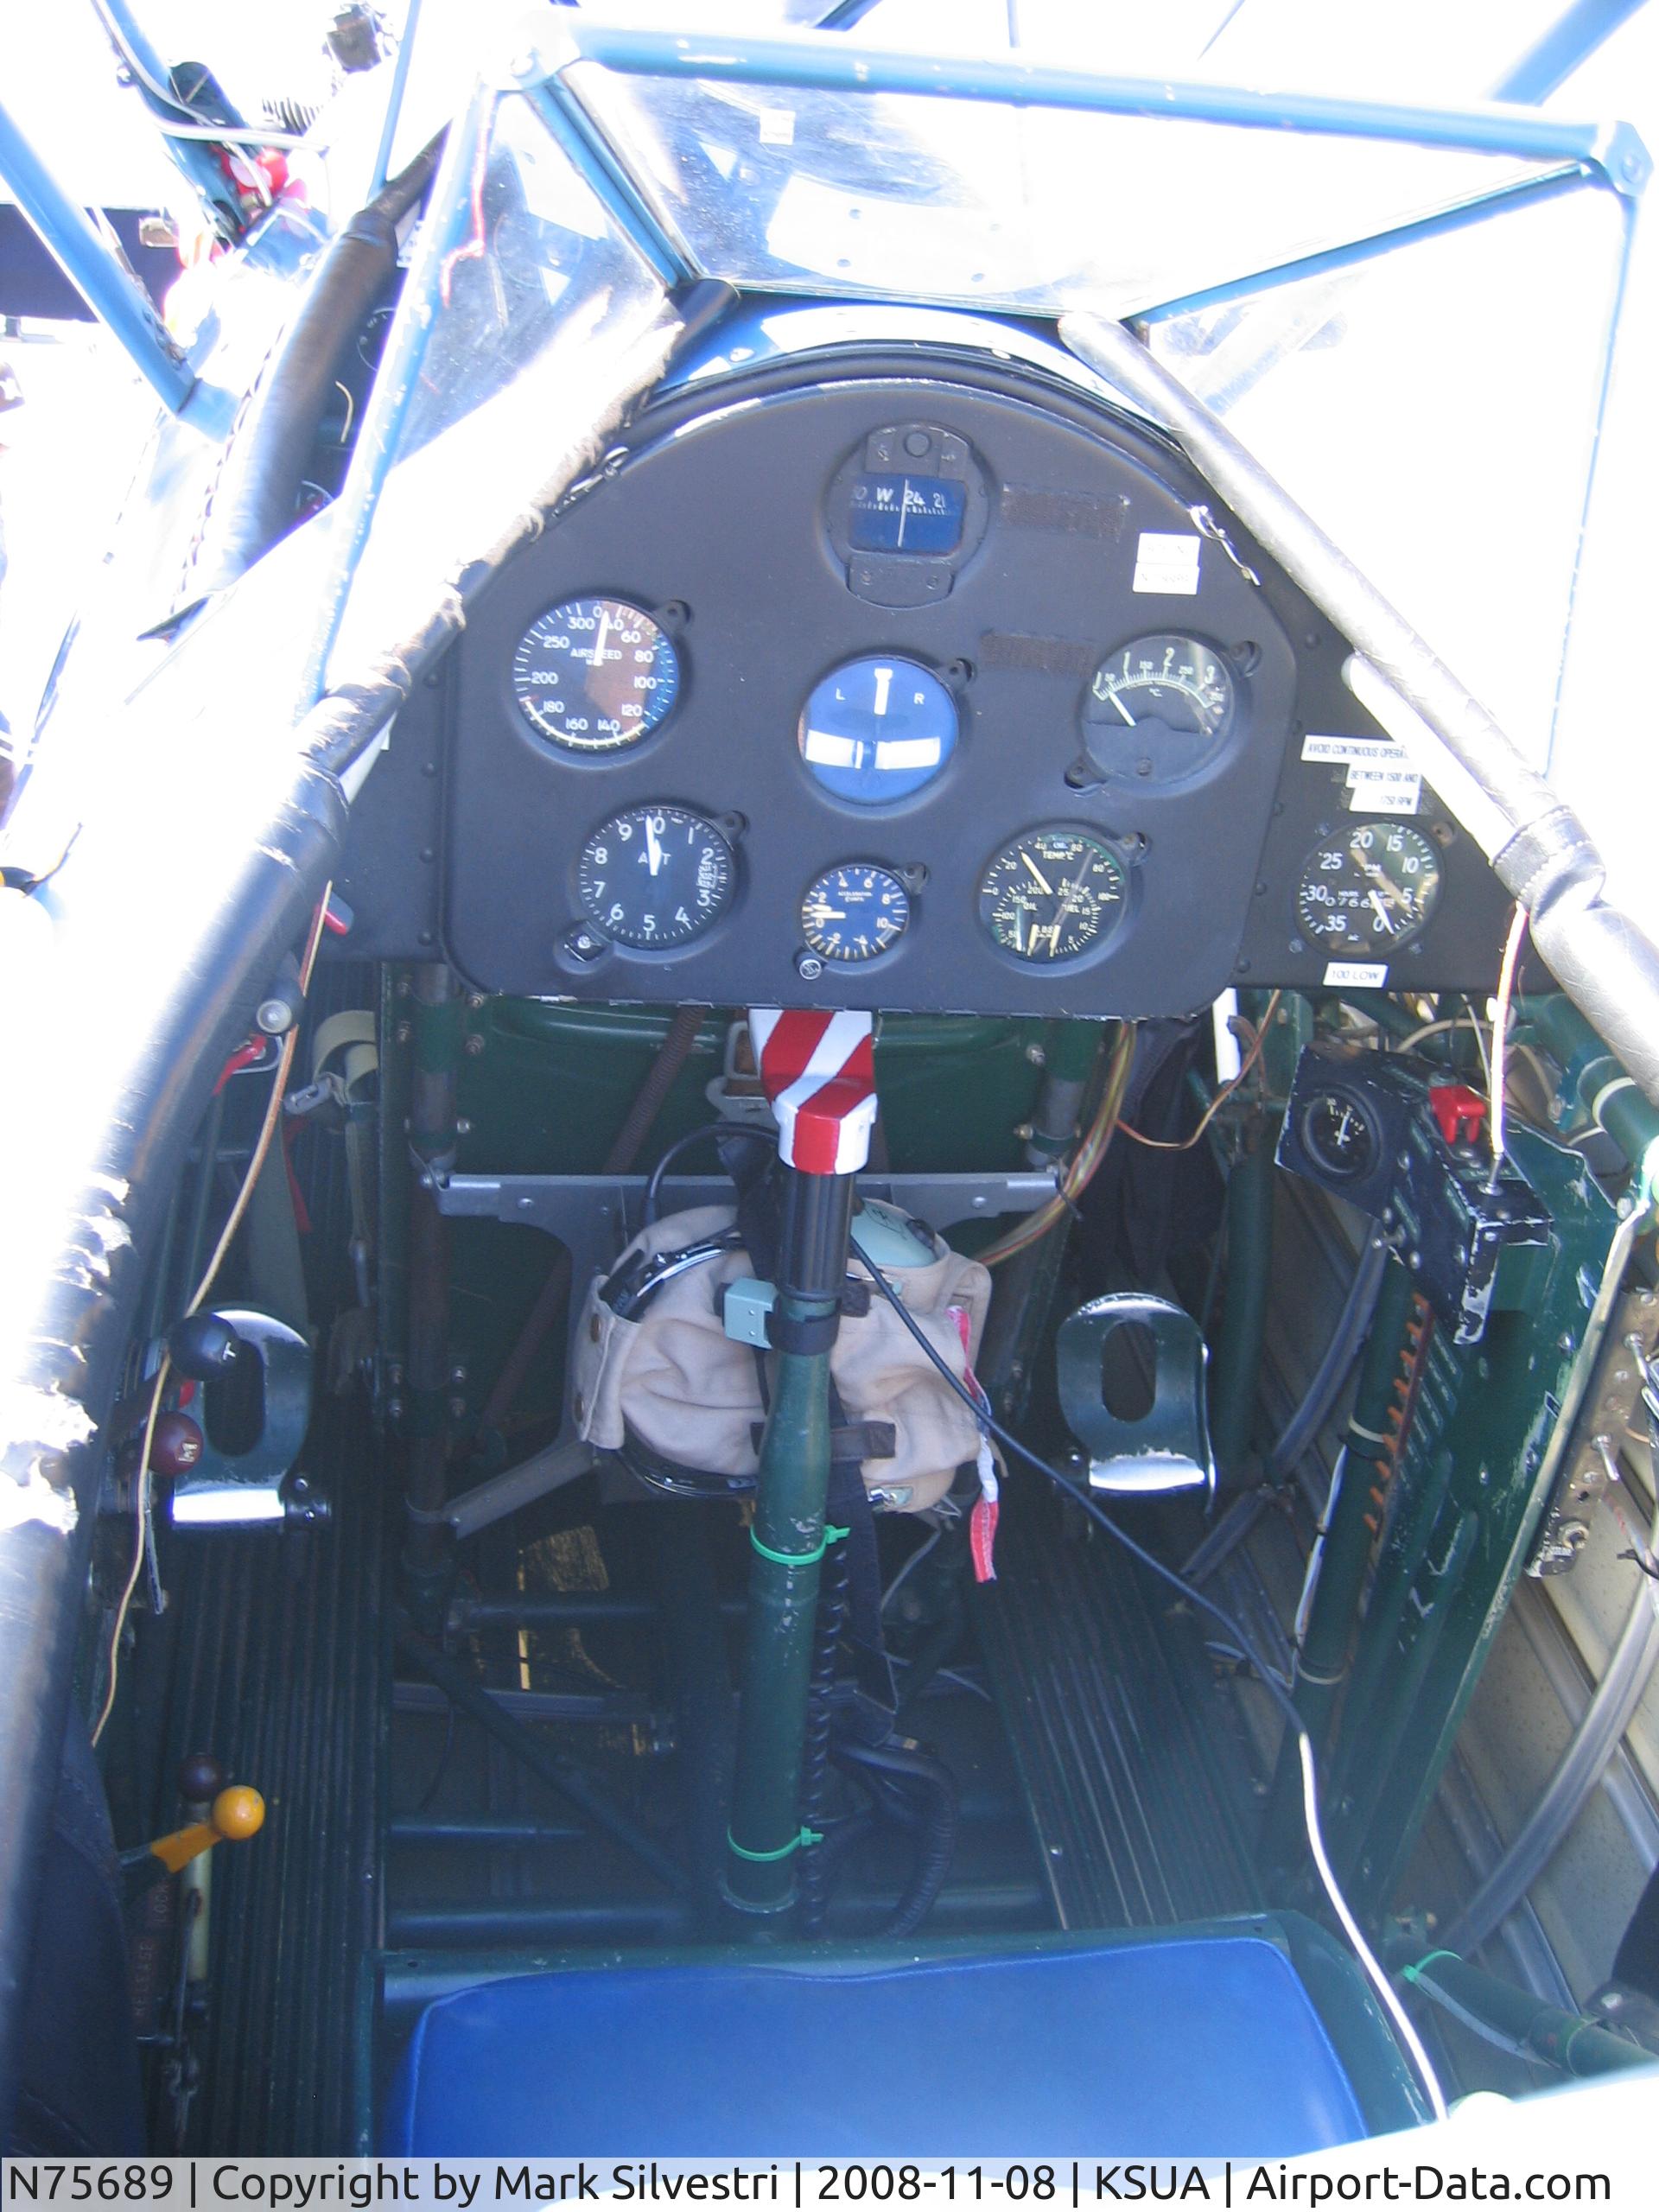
(1080, 1169)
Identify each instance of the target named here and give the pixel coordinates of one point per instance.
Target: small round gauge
(1369, 888)
(1164, 683)
(1339, 1137)
(877, 729)
(1052, 895)
(656, 876)
(854, 912)
(595, 673)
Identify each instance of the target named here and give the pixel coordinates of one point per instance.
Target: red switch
(1460, 1112)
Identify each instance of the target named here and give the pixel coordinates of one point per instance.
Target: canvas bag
(691, 1395)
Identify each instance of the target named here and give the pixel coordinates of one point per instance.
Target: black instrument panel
(944, 694)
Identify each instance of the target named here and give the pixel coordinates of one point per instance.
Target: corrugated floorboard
(1128, 1749)
(281, 1674)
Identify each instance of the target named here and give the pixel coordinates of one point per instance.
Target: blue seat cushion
(1190, 2043)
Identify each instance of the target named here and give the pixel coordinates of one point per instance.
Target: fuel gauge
(1340, 1136)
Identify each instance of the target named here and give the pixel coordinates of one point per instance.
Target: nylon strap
(1410, 1973)
(799, 1558)
(806, 1837)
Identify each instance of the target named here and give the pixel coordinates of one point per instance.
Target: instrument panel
(946, 692)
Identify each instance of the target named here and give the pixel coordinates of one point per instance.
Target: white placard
(777, 126)
(1357, 975)
(1373, 752)
(1383, 791)
(1230, 1058)
(1167, 560)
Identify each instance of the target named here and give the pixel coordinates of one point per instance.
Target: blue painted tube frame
(447, 213)
(67, 233)
(405, 55)
(1558, 51)
(1612, 151)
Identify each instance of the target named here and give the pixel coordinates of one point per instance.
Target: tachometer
(656, 876)
(1052, 895)
(854, 912)
(1371, 889)
(595, 673)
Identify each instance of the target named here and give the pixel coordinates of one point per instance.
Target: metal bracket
(595, 1216)
(1167, 1448)
(229, 1490)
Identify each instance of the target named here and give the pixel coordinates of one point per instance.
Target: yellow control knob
(238, 1813)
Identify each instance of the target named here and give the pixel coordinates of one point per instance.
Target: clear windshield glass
(1438, 419)
(1031, 209)
(523, 307)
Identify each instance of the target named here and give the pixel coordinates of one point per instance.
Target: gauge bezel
(582, 751)
(860, 963)
(1122, 755)
(1121, 852)
(1332, 947)
(1361, 1106)
(935, 779)
(725, 828)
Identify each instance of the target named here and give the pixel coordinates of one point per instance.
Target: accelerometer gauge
(595, 673)
(656, 876)
(877, 729)
(1173, 683)
(1340, 1136)
(1369, 888)
(1052, 895)
(854, 912)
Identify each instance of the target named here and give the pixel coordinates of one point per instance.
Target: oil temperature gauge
(854, 912)
(1052, 895)
(1371, 889)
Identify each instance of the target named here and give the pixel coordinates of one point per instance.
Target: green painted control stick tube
(788, 1541)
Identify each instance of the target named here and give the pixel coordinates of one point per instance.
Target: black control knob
(200, 1778)
(203, 1346)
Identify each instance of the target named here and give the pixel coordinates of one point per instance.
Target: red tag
(982, 1522)
(982, 1538)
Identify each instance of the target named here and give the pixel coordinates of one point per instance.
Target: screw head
(808, 967)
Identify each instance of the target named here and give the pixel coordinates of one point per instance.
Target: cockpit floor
(1124, 1731)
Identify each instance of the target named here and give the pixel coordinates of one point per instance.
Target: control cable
(1373, 1973)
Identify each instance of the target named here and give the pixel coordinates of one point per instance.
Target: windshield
(1356, 285)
